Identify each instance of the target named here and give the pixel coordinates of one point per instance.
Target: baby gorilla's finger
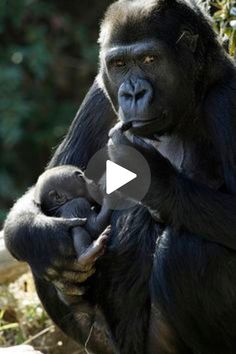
(94, 251)
(106, 232)
(102, 240)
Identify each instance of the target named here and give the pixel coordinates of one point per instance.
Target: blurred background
(48, 60)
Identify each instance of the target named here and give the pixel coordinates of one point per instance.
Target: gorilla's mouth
(147, 128)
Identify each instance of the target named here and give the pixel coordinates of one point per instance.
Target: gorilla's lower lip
(147, 127)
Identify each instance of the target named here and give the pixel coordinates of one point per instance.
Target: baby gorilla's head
(57, 186)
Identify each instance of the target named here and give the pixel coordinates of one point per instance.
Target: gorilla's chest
(196, 160)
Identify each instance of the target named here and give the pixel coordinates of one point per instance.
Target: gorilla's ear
(188, 38)
(220, 108)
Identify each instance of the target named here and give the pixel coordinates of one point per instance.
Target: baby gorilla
(62, 191)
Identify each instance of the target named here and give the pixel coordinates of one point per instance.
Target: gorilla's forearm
(76, 320)
(60, 313)
(186, 204)
(182, 202)
(35, 238)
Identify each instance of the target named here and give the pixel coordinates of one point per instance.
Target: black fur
(191, 284)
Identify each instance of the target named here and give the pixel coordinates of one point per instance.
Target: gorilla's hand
(120, 135)
(164, 175)
(59, 263)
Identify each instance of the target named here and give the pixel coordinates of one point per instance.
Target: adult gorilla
(168, 79)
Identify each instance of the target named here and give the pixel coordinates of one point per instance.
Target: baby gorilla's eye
(57, 197)
(119, 63)
(148, 59)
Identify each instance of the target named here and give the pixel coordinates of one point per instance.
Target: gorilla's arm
(49, 249)
(185, 204)
(28, 239)
(27, 231)
(182, 202)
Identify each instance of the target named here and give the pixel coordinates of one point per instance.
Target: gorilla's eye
(119, 63)
(148, 59)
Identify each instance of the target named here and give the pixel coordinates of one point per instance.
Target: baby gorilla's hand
(97, 248)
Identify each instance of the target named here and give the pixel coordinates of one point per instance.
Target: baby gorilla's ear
(56, 197)
(79, 174)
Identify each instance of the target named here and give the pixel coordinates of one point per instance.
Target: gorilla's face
(149, 81)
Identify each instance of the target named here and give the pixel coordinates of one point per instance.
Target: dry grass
(23, 320)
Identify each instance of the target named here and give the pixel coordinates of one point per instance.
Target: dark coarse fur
(191, 284)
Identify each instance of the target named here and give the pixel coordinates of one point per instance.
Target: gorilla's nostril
(134, 96)
(140, 94)
(128, 96)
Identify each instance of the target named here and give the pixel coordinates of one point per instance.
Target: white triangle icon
(117, 176)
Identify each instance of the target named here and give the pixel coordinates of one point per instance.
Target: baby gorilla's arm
(76, 206)
(97, 222)
(87, 254)
(86, 250)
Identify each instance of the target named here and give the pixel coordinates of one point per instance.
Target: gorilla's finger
(118, 126)
(74, 266)
(51, 274)
(68, 288)
(68, 278)
(73, 222)
(53, 221)
(77, 277)
(87, 274)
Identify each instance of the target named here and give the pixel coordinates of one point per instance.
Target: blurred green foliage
(48, 58)
(225, 22)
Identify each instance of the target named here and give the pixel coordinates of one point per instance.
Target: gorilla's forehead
(128, 21)
(130, 29)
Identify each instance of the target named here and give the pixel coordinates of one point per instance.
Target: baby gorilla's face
(58, 185)
(67, 183)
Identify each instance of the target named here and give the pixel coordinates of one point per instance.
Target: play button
(117, 176)
(121, 176)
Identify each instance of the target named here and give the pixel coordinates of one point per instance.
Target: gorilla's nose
(135, 97)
